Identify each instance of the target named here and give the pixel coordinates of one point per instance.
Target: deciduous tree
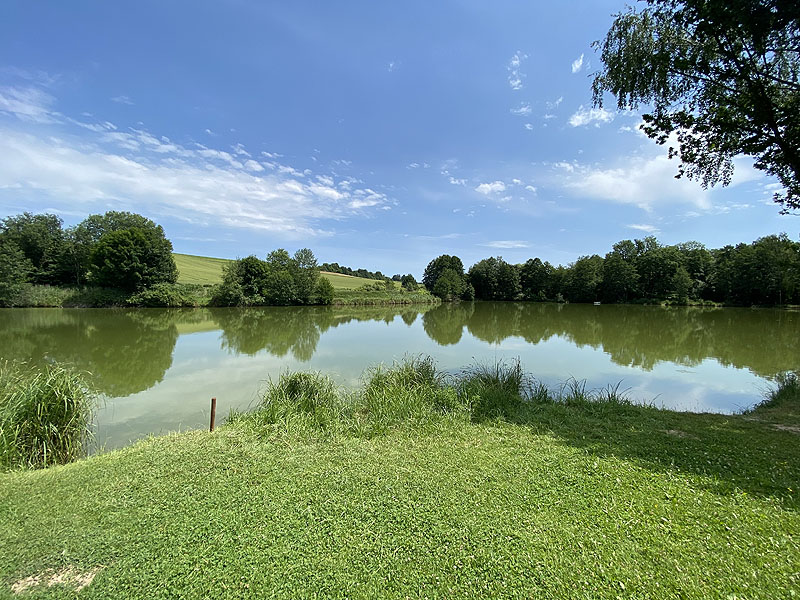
(719, 78)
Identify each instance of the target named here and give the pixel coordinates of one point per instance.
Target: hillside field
(205, 270)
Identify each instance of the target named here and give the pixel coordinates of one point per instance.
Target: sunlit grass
(414, 484)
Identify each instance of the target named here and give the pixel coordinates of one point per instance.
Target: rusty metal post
(213, 413)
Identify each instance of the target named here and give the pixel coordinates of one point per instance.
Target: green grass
(202, 270)
(45, 416)
(398, 490)
(208, 271)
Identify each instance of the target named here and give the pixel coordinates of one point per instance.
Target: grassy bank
(419, 485)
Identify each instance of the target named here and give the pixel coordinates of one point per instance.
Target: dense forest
(765, 272)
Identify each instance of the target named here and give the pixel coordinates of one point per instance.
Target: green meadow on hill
(205, 270)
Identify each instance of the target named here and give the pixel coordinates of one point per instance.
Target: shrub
(167, 295)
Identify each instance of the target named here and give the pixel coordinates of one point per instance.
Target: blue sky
(378, 134)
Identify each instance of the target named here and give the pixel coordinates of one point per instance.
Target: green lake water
(158, 368)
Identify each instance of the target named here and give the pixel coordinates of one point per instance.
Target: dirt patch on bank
(69, 576)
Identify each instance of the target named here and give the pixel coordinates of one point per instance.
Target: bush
(228, 293)
(167, 295)
(45, 415)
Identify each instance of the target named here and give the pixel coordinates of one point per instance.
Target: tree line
(363, 273)
(765, 272)
(119, 250)
(129, 253)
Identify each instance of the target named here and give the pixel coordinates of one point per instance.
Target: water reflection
(129, 351)
(125, 351)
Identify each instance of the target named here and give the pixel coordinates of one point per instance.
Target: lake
(158, 368)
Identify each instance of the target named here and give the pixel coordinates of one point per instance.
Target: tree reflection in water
(128, 351)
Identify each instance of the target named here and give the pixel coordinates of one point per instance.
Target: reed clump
(781, 403)
(45, 415)
(412, 391)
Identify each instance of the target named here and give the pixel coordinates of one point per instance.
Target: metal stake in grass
(213, 413)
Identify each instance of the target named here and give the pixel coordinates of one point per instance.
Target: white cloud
(135, 170)
(528, 126)
(585, 116)
(239, 149)
(252, 165)
(516, 181)
(645, 228)
(455, 181)
(577, 64)
(122, 100)
(491, 188)
(641, 182)
(515, 74)
(522, 110)
(531, 189)
(564, 166)
(554, 103)
(28, 104)
(507, 244)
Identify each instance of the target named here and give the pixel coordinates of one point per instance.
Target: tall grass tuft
(412, 389)
(45, 415)
(302, 400)
(494, 390)
(781, 403)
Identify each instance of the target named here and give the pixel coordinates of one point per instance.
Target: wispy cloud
(515, 74)
(122, 100)
(577, 64)
(522, 110)
(94, 166)
(28, 104)
(506, 244)
(585, 116)
(643, 227)
(555, 103)
(494, 187)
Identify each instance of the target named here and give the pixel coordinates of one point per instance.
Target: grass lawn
(208, 271)
(594, 500)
